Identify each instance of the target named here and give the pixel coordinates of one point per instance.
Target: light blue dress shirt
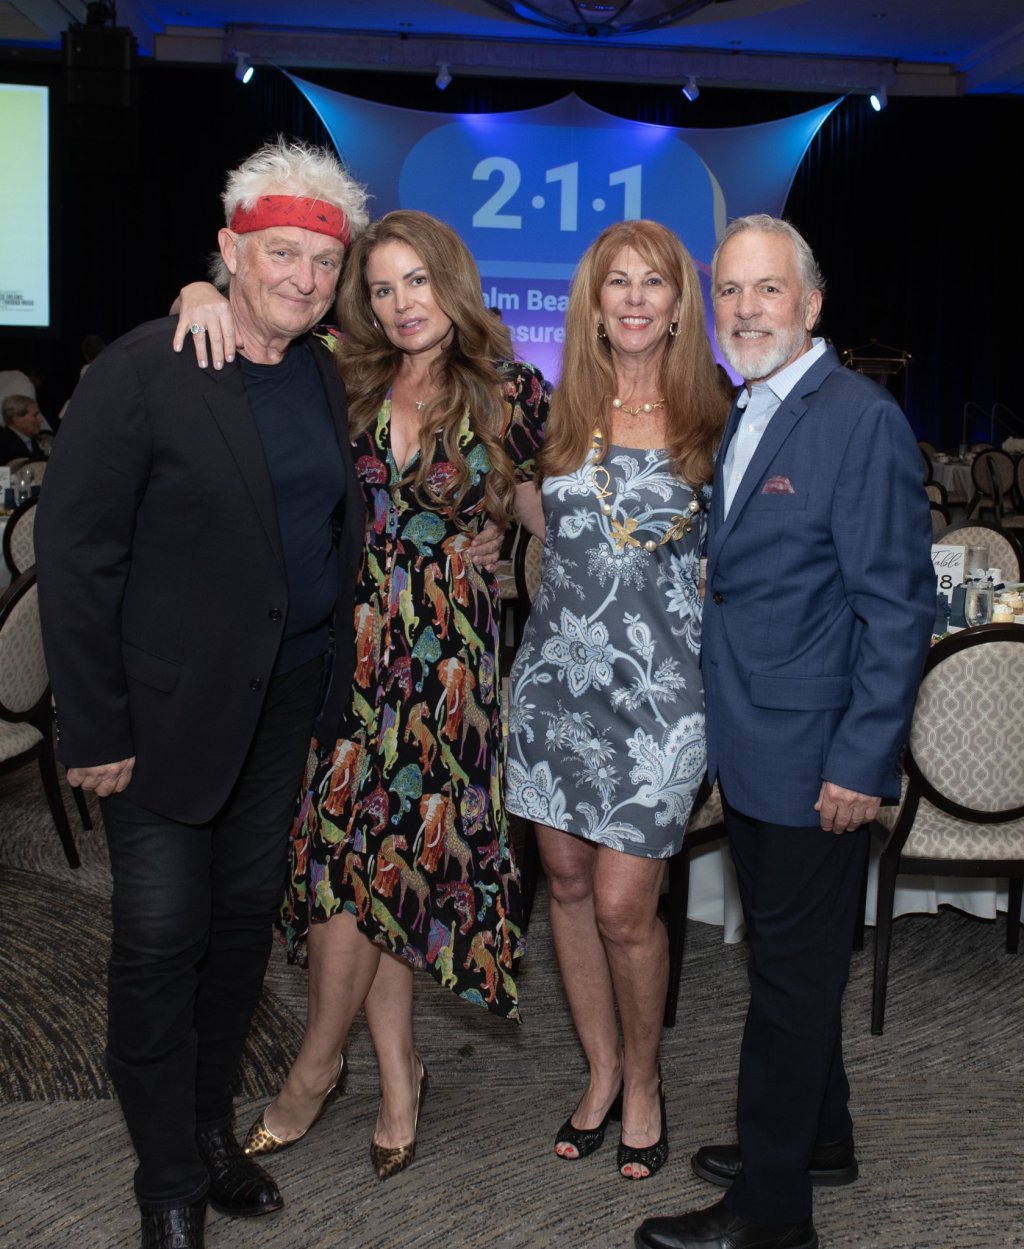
(758, 406)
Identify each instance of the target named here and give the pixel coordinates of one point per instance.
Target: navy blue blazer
(162, 583)
(819, 602)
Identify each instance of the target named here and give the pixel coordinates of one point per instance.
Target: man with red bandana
(197, 552)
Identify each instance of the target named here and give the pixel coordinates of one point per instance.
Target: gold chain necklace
(622, 532)
(645, 408)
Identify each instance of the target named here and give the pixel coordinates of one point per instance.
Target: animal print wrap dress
(402, 820)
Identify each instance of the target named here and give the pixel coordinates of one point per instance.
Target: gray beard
(781, 348)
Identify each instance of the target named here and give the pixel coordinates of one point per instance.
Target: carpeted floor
(939, 1099)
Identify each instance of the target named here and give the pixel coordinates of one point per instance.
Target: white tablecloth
(714, 896)
(956, 478)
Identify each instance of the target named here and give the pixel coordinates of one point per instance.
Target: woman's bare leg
(569, 864)
(389, 1016)
(626, 889)
(343, 964)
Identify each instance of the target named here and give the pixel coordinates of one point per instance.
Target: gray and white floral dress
(606, 714)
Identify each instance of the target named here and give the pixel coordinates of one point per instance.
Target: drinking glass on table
(975, 563)
(978, 604)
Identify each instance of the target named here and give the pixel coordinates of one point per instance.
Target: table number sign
(948, 562)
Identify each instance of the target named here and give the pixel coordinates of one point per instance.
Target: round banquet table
(956, 478)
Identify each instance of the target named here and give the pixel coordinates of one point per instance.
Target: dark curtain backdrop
(908, 210)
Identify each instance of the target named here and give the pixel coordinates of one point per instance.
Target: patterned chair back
(24, 684)
(19, 538)
(962, 809)
(967, 736)
(527, 561)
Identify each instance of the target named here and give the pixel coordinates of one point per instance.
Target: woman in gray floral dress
(606, 735)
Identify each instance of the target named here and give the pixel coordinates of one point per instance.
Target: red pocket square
(778, 485)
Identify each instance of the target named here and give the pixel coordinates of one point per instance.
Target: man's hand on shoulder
(103, 778)
(844, 810)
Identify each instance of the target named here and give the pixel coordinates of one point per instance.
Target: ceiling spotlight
(444, 76)
(243, 67)
(878, 99)
(690, 89)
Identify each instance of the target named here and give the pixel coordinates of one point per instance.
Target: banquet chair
(936, 493)
(928, 470)
(1016, 521)
(527, 559)
(26, 708)
(36, 468)
(527, 552)
(961, 812)
(940, 520)
(927, 448)
(19, 544)
(706, 825)
(1004, 551)
(993, 475)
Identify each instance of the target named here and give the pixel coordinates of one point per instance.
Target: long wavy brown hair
(695, 403)
(466, 375)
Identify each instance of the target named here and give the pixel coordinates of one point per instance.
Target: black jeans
(192, 910)
(800, 888)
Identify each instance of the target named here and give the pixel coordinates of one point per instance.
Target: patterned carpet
(939, 1099)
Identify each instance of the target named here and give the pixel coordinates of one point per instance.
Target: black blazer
(161, 579)
(13, 448)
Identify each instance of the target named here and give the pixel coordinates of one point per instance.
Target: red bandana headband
(292, 210)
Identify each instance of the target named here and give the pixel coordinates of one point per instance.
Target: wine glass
(978, 604)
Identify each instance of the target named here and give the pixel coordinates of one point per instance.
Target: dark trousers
(800, 888)
(192, 910)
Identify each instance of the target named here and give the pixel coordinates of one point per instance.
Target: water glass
(978, 604)
(975, 563)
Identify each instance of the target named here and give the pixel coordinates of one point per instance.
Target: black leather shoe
(832, 1164)
(238, 1186)
(180, 1228)
(718, 1228)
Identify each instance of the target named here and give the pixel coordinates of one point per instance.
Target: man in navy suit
(818, 610)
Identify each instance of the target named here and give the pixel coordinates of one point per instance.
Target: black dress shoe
(832, 1164)
(718, 1228)
(180, 1228)
(238, 1186)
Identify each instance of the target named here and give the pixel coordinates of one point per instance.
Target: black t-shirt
(301, 445)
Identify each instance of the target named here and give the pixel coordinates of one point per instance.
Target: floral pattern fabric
(403, 821)
(606, 723)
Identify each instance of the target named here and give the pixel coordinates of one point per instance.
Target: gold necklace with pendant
(622, 532)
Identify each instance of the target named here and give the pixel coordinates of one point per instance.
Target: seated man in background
(22, 425)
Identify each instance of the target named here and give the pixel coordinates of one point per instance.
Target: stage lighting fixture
(444, 76)
(243, 68)
(878, 99)
(690, 89)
